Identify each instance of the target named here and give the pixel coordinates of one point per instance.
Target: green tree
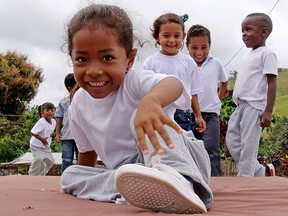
(19, 82)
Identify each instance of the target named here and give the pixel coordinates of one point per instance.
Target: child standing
(63, 134)
(41, 139)
(124, 117)
(254, 93)
(212, 75)
(169, 32)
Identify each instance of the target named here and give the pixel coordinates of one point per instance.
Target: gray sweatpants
(243, 137)
(42, 162)
(188, 157)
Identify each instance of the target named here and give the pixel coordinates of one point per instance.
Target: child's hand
(265, 119)
(201, 124)
(149, 119)
(44, 141)
(58, 138)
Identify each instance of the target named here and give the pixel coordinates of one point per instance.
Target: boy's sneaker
(160, 188)
(270, 170)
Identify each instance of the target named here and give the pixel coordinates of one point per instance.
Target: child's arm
(42, 139)
(58, 129)
(266, 116)
(150, 116)
(222, 89)
(87, 158)
(198, 117)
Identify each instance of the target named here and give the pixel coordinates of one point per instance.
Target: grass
(281, 104)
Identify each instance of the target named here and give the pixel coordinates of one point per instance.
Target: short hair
(69, 81)
(196, 31)
(264, 20)
(47, 105)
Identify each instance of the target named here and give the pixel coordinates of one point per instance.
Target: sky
(37, 29)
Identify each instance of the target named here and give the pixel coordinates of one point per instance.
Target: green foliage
(281, 103)
(228, 107)
(14, 139)
(19, 82)
(278, 136)
(15, 135)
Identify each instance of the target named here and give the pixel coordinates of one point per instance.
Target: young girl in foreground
(100, 43)
(169, 32)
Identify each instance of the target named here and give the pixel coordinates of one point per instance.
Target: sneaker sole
(153, 193)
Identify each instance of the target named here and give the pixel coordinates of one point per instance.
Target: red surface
(41, 196)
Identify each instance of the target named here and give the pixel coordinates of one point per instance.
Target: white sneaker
(160, 188)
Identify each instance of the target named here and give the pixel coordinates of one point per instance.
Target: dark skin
(254, 35)
(266, 116)
(87, 158)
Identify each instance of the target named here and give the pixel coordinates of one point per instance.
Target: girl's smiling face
(99, 61)
(170, 38)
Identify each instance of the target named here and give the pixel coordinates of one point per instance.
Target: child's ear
(69, 88)
(131, 58)
(184, 35)
(265, 32)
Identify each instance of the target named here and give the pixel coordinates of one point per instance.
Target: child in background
(254, 93)
(169, 32)
(41, 140)
(124, 117)
(198, 42)
(63, 134)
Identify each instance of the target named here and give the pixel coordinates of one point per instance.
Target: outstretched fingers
(151, 131)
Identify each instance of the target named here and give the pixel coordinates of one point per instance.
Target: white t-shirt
(182, 66)
(62, 112)
(103, 124)
(211, 72)
(251, 82)
(43, 129)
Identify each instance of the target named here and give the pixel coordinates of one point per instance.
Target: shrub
(15, 135)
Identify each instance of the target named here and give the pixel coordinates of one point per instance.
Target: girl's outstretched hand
(150, 118)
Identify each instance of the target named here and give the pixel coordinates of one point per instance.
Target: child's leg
(91, 182)
(67, 154)
(233, 135)
(211, 139)
(48, 160)
(188, 158)
(250, 138)
(37, 166)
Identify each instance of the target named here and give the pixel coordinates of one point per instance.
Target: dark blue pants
(69, 148)
(211, 139)
(183, 118)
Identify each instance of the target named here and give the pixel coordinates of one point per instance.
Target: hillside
(281, 104)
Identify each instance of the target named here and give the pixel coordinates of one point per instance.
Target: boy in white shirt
(212, 76)
(254, 93)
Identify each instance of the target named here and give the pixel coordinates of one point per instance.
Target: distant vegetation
(281, 104)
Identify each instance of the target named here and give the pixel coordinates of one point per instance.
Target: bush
(15, 135)
(275, 146)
